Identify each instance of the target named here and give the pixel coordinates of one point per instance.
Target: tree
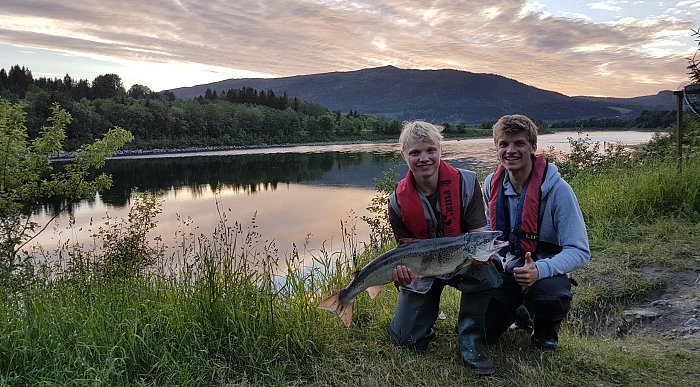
(38, 108)
(167, 95)
(107, 86)
(67, 83)
(81, 90)
(326, 123)
(137, 91)
(19, 79)
(210, 95)
(27, 176)
(447, 127)
(694, 62)
(4, 80)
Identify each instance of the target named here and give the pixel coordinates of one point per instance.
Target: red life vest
(528, 230)
(412, 212)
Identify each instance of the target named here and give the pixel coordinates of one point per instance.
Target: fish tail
(344, 311)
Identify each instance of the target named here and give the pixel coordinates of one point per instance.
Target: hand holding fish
(402, 275)
(528, 274)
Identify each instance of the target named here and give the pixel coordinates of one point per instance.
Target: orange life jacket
(412, 211)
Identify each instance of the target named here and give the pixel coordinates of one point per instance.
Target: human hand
(402, 275)
(528, 274)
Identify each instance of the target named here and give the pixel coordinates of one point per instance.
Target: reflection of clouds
(289, 216)
(285, 216)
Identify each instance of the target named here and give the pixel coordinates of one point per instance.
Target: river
(290, 196)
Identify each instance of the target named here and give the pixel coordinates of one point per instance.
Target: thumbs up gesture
(527, 274)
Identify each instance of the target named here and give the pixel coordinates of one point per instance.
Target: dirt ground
(671, 312)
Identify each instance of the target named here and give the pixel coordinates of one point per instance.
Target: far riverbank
(222, 148)
(199, 150)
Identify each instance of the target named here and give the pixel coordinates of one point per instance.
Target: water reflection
(291, 196)
(239, 173)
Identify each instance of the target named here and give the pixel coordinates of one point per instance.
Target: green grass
(640, 193)
(219, 328)
(152, 341)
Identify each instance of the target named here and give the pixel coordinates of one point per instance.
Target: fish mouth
(490, 249)
(497, 245)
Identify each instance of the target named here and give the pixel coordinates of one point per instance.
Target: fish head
(483, 244)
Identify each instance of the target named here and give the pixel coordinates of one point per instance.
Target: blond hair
(420, 130)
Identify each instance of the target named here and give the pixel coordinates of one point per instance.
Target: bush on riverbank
(27, 176)
(218, 315)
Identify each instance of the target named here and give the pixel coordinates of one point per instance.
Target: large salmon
(425, 258)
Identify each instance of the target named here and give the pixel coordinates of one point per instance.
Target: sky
(599, 48)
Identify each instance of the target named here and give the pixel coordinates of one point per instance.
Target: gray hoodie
(561, 224)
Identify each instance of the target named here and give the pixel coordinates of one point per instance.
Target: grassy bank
(123, 319)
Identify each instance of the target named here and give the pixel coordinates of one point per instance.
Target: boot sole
(483, 372)
(480, 371)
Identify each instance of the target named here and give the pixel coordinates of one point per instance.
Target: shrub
(27, 176)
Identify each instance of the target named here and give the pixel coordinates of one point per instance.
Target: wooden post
(679, 125)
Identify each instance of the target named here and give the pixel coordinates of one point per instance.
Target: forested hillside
(159, 120)
(233, 117)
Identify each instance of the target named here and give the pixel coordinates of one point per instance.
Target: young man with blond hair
(436, 200)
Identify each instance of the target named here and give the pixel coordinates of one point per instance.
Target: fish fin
(374, 290)
(345, 314)
(333, 304)
(406, 241)
(462, 265)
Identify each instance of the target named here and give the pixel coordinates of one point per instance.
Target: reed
(216, 312)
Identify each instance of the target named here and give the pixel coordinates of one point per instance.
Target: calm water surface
(289, 195)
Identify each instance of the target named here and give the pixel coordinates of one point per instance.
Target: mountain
(434, 95)
(663, 100)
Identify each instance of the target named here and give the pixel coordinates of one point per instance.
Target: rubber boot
(546, 336)
(470, 330)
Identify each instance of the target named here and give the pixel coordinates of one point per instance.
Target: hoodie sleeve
(564, 225)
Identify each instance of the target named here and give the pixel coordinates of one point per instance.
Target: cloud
(281, 38)
(606, 6)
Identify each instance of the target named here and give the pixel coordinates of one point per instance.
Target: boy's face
(515, 151)
(422, 157)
